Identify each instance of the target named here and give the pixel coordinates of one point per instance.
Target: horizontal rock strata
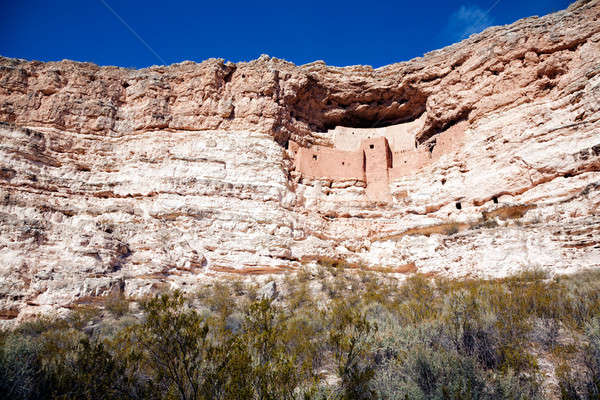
(119, 180)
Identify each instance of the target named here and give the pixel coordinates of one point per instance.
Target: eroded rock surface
(133, 180)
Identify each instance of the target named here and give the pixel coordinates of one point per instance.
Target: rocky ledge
(119, 180)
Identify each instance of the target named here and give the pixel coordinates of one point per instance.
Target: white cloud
(467, 20)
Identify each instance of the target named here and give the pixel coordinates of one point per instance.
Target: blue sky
(339, 32)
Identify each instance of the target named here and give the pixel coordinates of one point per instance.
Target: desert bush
(221, 299)
(238, 287)
(349, 339)
(275, 373)
(87, 370)
(117, 305)
(426, 338)
(171, 345)
(302, 337)
(585, 383)
(515, 386)
(427, 373)
(303, 275)
(299, 295)
(20, 368)
(82, 315)
(472, 330)
(592, 358)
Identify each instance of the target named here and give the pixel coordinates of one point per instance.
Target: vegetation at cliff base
(332, 333)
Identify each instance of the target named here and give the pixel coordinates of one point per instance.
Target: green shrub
(89, 371)
(117, 305)
(275, 373)
(373, 337)
(20, 368)
(584, 384)
(349, 339)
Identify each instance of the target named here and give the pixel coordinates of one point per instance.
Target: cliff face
(131, 180)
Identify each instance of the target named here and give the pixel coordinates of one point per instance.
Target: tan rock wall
(165, 177)
(449, 140)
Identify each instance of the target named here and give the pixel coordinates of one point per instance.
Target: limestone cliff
(114, 179)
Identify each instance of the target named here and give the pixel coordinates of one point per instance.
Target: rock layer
(134, 180)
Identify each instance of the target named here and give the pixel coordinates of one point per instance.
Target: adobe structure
(373, 156)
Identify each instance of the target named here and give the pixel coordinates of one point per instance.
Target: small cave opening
(495, 199)
(314, 156)
(381, 110)
(371, 146)
(322, 105)
(444, 181)
(351, 120)
(228, 74)
(458, 205)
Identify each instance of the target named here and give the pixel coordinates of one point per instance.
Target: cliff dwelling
(373, 156)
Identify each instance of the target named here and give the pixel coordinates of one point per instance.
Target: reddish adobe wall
(374, 162)
(378, 160)
(378, 156)
(407, 162)
(324, 162)
(400, 137)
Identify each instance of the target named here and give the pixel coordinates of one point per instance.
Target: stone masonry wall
(375, 162)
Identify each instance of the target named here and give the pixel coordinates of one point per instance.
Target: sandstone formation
(114, 179)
